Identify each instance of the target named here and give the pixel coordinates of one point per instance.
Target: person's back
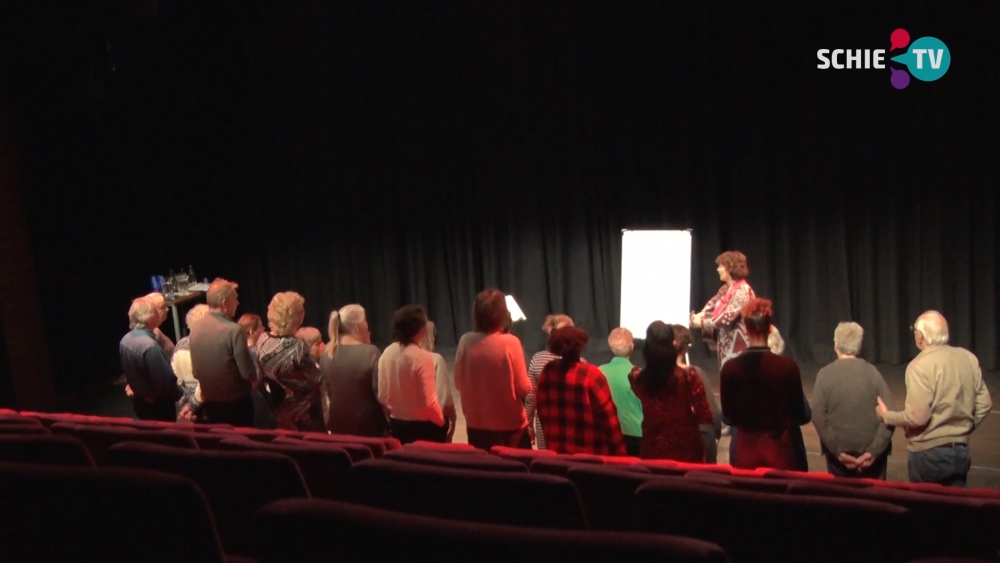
(953, 377)
(672, 415)
(491, 378)
(576, 409)
(350, 379)
(215, 343)
(761, 391)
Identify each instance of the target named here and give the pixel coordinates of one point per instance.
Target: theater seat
(323, 467)
(47, 450)
(105, 515)
(236, 483)
(463, 460)
(540, 501)
(334, 531)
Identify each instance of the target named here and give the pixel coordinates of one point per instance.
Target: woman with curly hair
(289, 371)
(721, 319)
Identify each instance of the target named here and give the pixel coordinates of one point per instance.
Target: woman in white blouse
(407, 381)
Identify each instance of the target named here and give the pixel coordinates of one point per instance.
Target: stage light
(656, 279)
(515, 312)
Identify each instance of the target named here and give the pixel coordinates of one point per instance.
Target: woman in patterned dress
(721, 320)
(289, 370)
(673, 398)
(535, 367)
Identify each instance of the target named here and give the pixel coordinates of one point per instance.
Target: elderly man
(147, 369)
(629, 406)
(160, 304)
(855, 441)
(946, 399)
(221, 360)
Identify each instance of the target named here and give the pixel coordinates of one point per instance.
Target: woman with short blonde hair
(289, 371)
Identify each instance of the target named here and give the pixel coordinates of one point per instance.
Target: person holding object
(854, 440)
(721, 319)
(946, 400)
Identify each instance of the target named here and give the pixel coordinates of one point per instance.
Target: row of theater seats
(451, 500)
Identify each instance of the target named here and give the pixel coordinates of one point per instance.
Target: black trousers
(238, 413)
(633, 445)
(160, 409)
(409, 431)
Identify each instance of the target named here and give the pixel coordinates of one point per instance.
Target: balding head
(221, 296)
(932, 328)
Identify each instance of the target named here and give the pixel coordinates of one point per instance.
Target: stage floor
(985, 441)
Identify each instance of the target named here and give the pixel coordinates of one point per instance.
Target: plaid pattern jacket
(577, 412)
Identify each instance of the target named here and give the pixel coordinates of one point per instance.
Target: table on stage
(177, 300)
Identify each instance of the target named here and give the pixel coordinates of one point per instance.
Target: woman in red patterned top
(574, 401)
(673, 400)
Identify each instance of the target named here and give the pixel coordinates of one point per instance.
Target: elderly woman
(252, 327)
(575, 405)
(190, 403)
(710, 432)
(442, 380)
(721, 320)
(407, 381)
(311, 337)
(349, 367)
(492, 378)
(287, 366)
(535, 367)
(854, 440)
(762, 399)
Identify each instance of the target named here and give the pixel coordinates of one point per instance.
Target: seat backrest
(560, 465)
(18, 419)
(211, 440)
(323, 467)
(358, 452)
(484, 462)
(97, 438)
(71, 514)
(378, 446)
(814, 476)
(608, 494)
(235, 483)
(784, 527)
(517, 499)
(450, 447)
(45, 450)
(325, 530)
(24, 430)
(745, 483)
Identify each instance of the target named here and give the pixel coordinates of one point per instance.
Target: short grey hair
(219, 291)
(196, 313)
(309, 335)
(142, 310)
(847, 338)
(621, 342)
(933, 326)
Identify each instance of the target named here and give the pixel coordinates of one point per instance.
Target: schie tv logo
(927, 59)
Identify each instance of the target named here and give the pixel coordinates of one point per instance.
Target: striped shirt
(535, 367)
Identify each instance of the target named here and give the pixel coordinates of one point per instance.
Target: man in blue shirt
(146, 366)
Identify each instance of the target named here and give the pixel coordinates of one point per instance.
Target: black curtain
(393, 152)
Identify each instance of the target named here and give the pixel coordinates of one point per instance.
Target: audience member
(407, 383)
(349, 368)
(711, 432)
(221, 360)
(673, 400)
(946, 400)
(252, 327)
(776, 344)
(491, 377)
(190, 403)
(535, 367)
(574, 401)
(147, 368)
(442, 380)
(285, 362)
(854, 440)
(762, 399)
(627, 404)
(159, 303)
(311, 337)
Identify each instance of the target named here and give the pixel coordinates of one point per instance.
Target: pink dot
(899, 39)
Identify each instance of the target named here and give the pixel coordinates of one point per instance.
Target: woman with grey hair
(190, 403)
(854, 440)
(349, 367)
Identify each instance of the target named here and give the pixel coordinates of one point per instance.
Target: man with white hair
(946, 400)
(629, 406)
(855, 441)
(146, 366)
(159, 302)
(221, 360)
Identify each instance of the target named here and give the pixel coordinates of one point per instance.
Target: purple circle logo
(900, 78)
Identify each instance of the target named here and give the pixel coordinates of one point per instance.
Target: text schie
(855, 58)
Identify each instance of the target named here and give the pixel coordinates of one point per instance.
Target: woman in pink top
(492, 378)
